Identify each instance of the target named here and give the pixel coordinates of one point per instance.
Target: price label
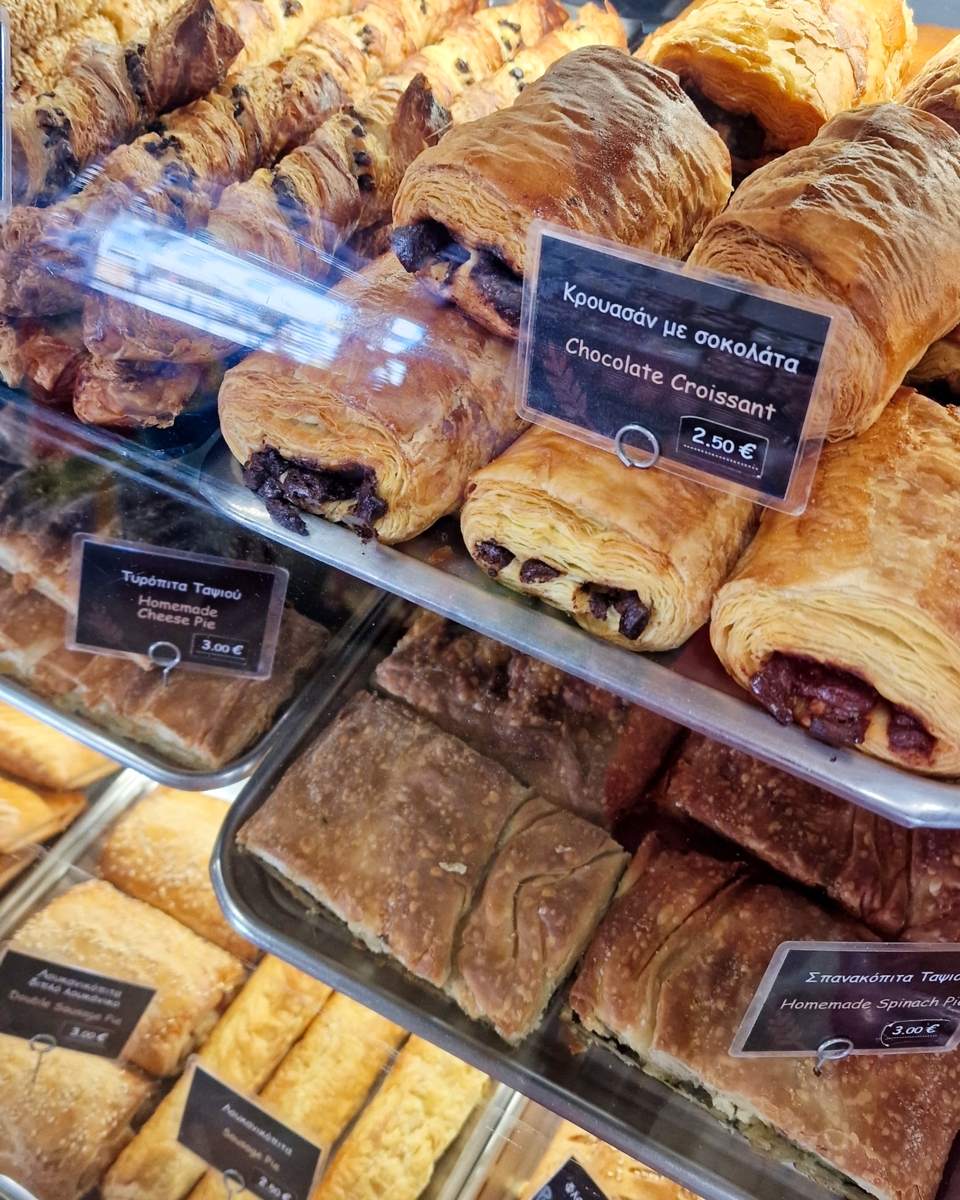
(234, 1135)
(571, 1182)
(177, 609)
(78, 1009)
(851, 998)
(725, 381)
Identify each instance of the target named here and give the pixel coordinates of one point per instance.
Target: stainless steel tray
(688, 685)
(595, 1089)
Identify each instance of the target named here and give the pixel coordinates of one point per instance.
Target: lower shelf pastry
(581, 747)
(634, 556)
(61, 1125)
(667, 981)
(160, 853)
(95, 926)
(936, 88)
(384, 438)
(840, 619)
(26, 816)
(933, 913)
(36, 752)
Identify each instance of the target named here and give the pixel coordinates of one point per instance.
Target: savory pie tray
(595, 1089)
(688, 685)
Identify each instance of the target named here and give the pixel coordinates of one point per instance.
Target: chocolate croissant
(866, 216)
(843, 620)
(384, 437)
(936, 88)
(767, 75)
(464, 208)
(634, 556)
(40, 68)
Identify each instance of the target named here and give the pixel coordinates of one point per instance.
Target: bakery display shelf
(688, 685)
(11, 1190)
(595, 1089)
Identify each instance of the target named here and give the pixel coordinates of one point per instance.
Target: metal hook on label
(166, 656)
(625, 457)
(41, 1044)
(234, 1182)
(833, 1049)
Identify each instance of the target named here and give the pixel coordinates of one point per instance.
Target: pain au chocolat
(601, 143)
(634, 556)
(866, 217)
(846, 619)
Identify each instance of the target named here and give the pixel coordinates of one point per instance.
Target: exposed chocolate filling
(64, 164)
(535, 570)
(742, 133)
(835, 705)
(493, 557)
(419, 244)
(500, 287)
(286, 485)
(634, 614)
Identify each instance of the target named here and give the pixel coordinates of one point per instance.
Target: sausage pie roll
(767, 75)
(865, 216)
(463, 210)
(844, 619)
(386, 436)
(634, 556)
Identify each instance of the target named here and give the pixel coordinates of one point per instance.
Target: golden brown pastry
(32, 20)
(668, 979)
(60, 1128)
(45, 756)
(130, 395)
(251, 1039)
(634, 556)
(322, 1083)
(385, 437)
(933, 913)
(463, 210)
(580, 747)
(546, 889)
(618, 1176)
(42, 357)
(13, 865)
(840, 619)
(874, 200)
(936, 89)
(27, 817)
(97, 927)
(937, 374)
(403, 1133)
(40, 68)
(816, 838)
(931, 39)
(160, 853)
(390, 824)
(767, 75)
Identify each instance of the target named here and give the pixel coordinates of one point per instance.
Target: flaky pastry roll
(634, 556)
(866, 216)
(767, 75)
(464, 208)
(45, 756)
(386, 436)
(27, 817)
(936, 89)
(937, 374)
(843, 619)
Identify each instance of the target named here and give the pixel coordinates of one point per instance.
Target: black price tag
(209, 614)
(234, 1135)
(79, 1009)
(716, 378)
(571, 1182)
(852, 998)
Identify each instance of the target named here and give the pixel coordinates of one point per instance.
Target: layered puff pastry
(840, 619)
(406, 1129)
(26, 817)
(34, 751)
(61, 1126)
(668, 980)
(859, 859)
(634, 556)
(385, 436)
(580, 747)
(464, 208)
(160, 853)
(767, 75)
(43, 357)
(937, 374)
(864, 217)
(95, 926)
(13, 865)
(272, 1012)
(936, 88)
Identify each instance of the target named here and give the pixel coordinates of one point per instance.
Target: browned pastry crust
(602, 143)
(31, 20)
(936, 89)
(32, 750)
(40, 68)
(132, 395)
(669, 977)
(580, 747)
(933, 914)
(28, 817)
(544, 894)
(937, 374)
(42, 357)
(13, 865)
(767, 75)
(858, 858)
(840, 619)
(386, 436)
(109, 93)
(389, 823)
(95, 926)
(872, 201)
